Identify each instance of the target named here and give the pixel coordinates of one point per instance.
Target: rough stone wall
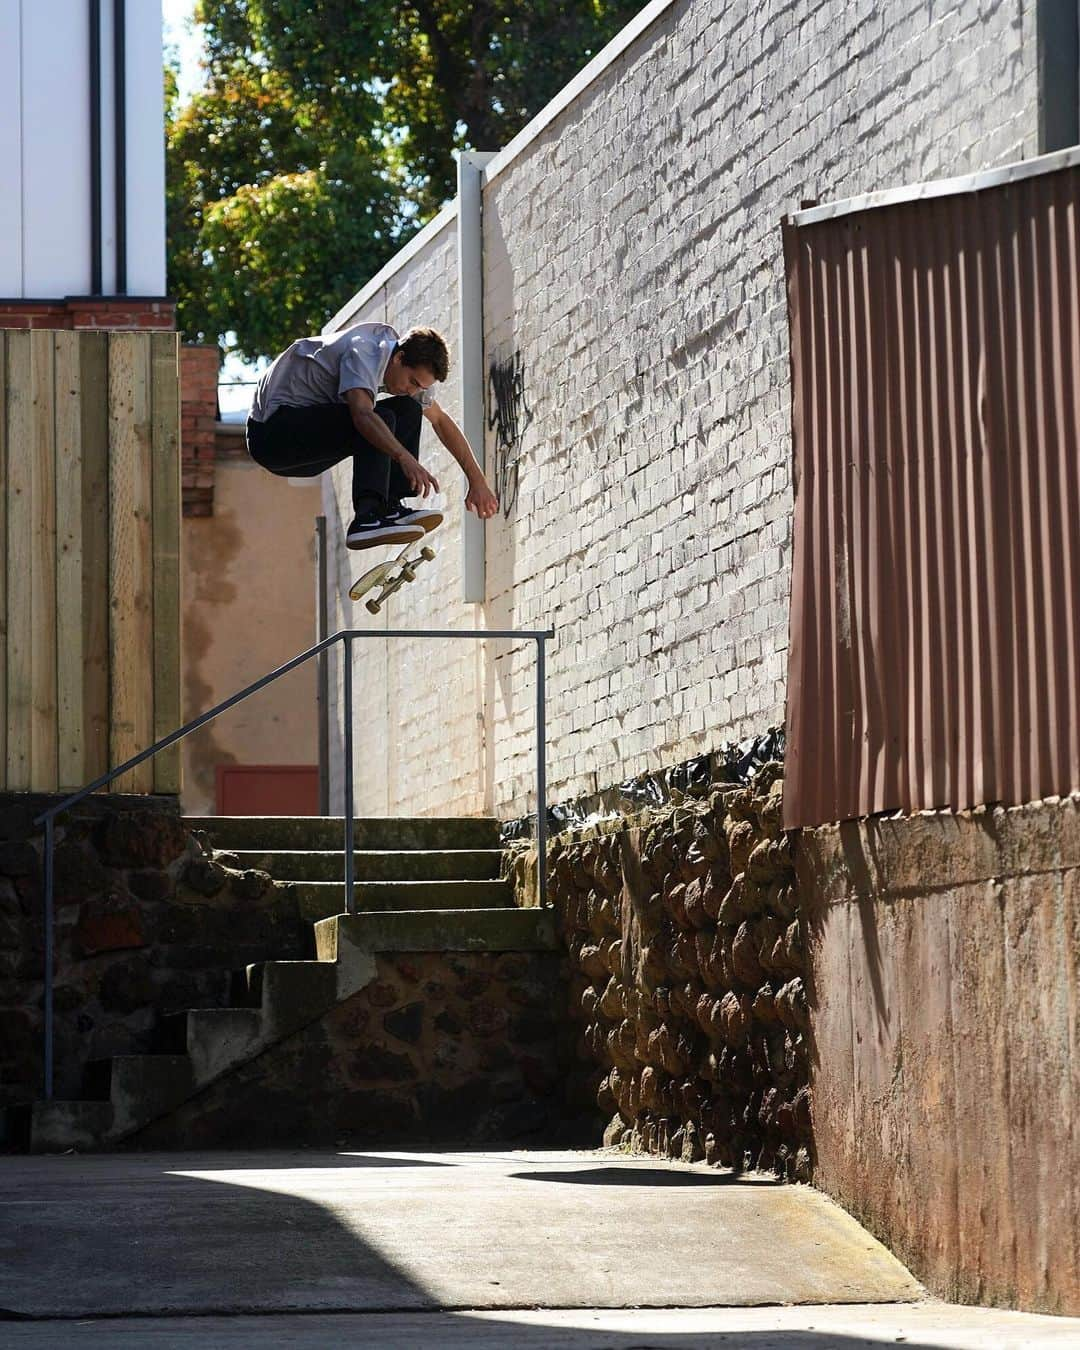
(686, 948)
(633, 271)
(146, 923)
(944, 953)
(453, 1048)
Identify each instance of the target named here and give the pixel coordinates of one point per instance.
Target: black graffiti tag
(509, 417)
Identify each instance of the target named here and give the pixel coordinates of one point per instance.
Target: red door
(267, 790)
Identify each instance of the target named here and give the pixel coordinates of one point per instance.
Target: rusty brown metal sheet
(935, 619)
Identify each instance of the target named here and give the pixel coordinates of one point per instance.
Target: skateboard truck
(389, 576)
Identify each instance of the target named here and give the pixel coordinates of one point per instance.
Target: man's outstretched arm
(480, 499)
(374, 430)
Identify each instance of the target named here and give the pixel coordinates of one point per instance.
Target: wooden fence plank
(130, 558)
(165, 423)
(43, 760)
(70, 712)
(3, 558)
(19, 517)
(94, 436)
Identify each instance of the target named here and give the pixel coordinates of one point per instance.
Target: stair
(397, 865)
(453, 901)
(382, 834)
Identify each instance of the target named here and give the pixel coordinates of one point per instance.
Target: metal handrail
(346, 637)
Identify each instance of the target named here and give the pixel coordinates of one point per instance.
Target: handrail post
(350, 899)
(541, 773)
(50, 961)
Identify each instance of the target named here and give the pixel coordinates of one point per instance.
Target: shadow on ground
(299, 1249)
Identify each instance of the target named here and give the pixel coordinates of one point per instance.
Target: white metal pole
(471, 348)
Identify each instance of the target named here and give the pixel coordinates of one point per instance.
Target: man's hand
(481, 501)
(421, 483)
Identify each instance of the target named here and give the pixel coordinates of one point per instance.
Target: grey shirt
(319, 370)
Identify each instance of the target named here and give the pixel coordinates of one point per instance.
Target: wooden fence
(89, 557)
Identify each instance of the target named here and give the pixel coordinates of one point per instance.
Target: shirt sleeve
(426, 397)
(358, 370)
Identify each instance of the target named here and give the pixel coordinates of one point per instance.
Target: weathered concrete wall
(634, 300)
(146, 924)
(945, 1015)
(248, 587)
(685, 944)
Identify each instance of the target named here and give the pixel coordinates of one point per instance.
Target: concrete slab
(927, 1326)
(114, 1235)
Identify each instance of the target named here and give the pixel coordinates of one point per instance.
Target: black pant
(304, 442)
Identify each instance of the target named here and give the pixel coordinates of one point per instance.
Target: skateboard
(390, 576)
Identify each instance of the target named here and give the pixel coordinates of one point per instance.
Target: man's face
(403, 379)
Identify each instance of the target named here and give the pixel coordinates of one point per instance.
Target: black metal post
(120, 141)
(350, 899)
(95, 147)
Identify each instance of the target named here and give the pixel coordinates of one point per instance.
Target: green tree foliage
(324, 135)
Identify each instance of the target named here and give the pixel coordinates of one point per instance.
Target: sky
(182, 35)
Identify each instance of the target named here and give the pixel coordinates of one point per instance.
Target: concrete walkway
(207, 1240)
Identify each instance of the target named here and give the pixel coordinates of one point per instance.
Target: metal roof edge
(434, 227)
(942, 187)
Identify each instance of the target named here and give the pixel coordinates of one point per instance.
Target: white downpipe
(470, 347)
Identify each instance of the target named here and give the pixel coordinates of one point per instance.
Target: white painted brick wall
(633, 258)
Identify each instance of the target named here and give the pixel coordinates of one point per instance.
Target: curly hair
(426, 347)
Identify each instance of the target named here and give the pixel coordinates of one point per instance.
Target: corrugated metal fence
(935, 629)
(89, 557)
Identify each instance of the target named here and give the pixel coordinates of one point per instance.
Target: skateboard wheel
(428, 553)
(408, 574)
(373, 606)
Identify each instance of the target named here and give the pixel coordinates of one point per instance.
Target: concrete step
(480, 930)
(58, 1126)
(323, 899)
(200, 1045)
(144, 1086)
(385, 865)
(214, 1039)
(328, 832)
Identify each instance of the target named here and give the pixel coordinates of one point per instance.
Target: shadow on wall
(500, 562)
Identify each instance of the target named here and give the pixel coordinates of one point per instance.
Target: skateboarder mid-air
(361, 394)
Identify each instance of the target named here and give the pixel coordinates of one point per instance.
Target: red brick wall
(80, 311)
(198, 413)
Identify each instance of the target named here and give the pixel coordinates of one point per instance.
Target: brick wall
(198, 414)
(633, 268)
(94, 311)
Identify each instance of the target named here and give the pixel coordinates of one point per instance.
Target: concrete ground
(403, 1249)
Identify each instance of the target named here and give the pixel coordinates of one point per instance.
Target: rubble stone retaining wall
(944, 961)
(452, 1048)
(686, 945)
(146, 923)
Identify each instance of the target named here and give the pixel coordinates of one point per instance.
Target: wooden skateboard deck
(388, 577)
